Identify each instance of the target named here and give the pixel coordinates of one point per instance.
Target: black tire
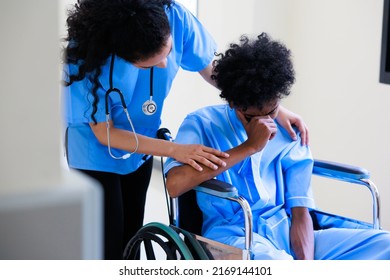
(157, 235)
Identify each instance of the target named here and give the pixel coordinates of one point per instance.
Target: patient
(272, 172)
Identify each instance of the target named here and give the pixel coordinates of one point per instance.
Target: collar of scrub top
(110, 90)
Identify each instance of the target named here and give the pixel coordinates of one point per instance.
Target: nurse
(272, 172)
(119, 65)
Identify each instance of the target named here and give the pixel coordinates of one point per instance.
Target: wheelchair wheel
(158, 240)
(198, 251)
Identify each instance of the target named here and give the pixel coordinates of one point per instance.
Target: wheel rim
(164, 236)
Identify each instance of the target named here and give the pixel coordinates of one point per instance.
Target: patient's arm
(183, 178)
(301, 234)
(259, 130)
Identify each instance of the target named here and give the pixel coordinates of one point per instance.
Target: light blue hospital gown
(273, 181)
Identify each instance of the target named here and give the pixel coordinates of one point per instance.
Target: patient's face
(271, 110)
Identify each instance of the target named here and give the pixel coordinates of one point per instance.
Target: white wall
(45, 212)
(337, 55)
(24, 80)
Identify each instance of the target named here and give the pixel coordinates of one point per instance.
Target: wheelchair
(182, 239)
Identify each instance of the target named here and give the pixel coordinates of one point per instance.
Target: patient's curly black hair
(254, 72)
(131, 29)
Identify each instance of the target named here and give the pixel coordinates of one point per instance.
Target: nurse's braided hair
(254, 72)
(131, 29)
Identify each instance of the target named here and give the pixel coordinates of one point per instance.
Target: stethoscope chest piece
(149, 107)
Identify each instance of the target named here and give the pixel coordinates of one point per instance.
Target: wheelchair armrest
(340, 171)
(351, 174)
(227, 191)
(217, 188)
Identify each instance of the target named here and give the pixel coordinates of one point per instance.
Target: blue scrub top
(192, 49)
(273, 180)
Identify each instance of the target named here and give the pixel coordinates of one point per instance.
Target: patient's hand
(259, 131)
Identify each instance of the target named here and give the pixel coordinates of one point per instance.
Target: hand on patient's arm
(302, 234)
(287, 119)
(188, 154)
(199, 156)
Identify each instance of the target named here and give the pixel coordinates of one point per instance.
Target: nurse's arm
(301, 234)
(193, 155)
(206, 74)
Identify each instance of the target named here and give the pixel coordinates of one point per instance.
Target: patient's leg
(352, 244)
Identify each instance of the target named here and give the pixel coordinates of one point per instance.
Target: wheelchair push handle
(164, 134)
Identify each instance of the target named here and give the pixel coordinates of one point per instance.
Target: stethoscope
(149, 108)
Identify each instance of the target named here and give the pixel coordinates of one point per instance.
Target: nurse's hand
(287, 119)
(195, 154)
